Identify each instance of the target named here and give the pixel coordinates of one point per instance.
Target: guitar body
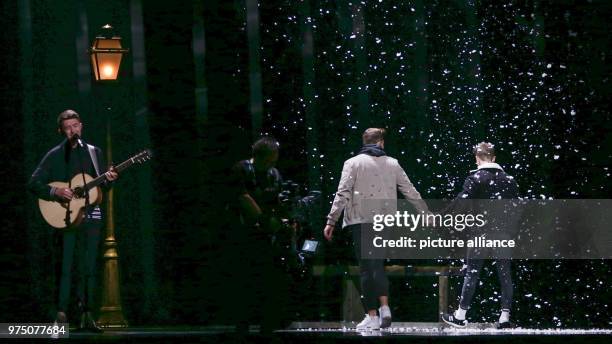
(65, 215)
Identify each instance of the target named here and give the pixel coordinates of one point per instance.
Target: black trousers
(261, 284)
(470, 281)
(373, 278)
(80, 251)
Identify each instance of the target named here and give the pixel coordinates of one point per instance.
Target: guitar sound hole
(78, 192)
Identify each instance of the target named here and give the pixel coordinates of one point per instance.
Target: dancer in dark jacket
(487, 182)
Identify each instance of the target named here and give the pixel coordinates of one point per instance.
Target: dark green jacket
(54, 168)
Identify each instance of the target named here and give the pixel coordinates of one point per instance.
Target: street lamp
(106, 53)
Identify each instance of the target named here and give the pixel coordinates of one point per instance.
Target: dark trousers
(373, 278)
(261, 286)
(80, 250)
(470, 281)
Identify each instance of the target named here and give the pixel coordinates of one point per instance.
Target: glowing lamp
(106, 53)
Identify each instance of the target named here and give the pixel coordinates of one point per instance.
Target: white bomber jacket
(365, 177)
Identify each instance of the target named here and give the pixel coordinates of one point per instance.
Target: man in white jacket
(370, 175)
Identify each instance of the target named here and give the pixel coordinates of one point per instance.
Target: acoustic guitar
(68, 214)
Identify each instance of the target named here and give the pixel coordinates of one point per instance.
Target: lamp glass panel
(94, 66)
(108, 65)
(103, 43)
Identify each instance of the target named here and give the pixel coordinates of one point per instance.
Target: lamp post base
(111, 317)
(111, 313)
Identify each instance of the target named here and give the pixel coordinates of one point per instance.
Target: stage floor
(435, 329)
(337, 332)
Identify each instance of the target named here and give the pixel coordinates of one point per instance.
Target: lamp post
(106, 53)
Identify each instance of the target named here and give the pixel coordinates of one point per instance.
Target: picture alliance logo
(476, 242)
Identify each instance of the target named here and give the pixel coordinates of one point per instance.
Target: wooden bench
(352, 309)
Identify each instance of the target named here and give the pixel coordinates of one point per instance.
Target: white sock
(505, 316)
(384, 311)
(460, 313)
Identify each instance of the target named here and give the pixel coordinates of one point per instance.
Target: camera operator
(261, 288)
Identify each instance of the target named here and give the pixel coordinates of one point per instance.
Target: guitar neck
(102, 178)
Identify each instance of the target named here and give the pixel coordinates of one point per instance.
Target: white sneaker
(385, 316)
(55, 335)
(369, 323)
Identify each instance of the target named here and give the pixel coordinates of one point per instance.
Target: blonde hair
(373, 135)
(485, 151)
(66, 115)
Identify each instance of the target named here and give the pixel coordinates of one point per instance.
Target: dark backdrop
(198, 85)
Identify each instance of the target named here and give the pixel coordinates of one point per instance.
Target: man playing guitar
(79, 243)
